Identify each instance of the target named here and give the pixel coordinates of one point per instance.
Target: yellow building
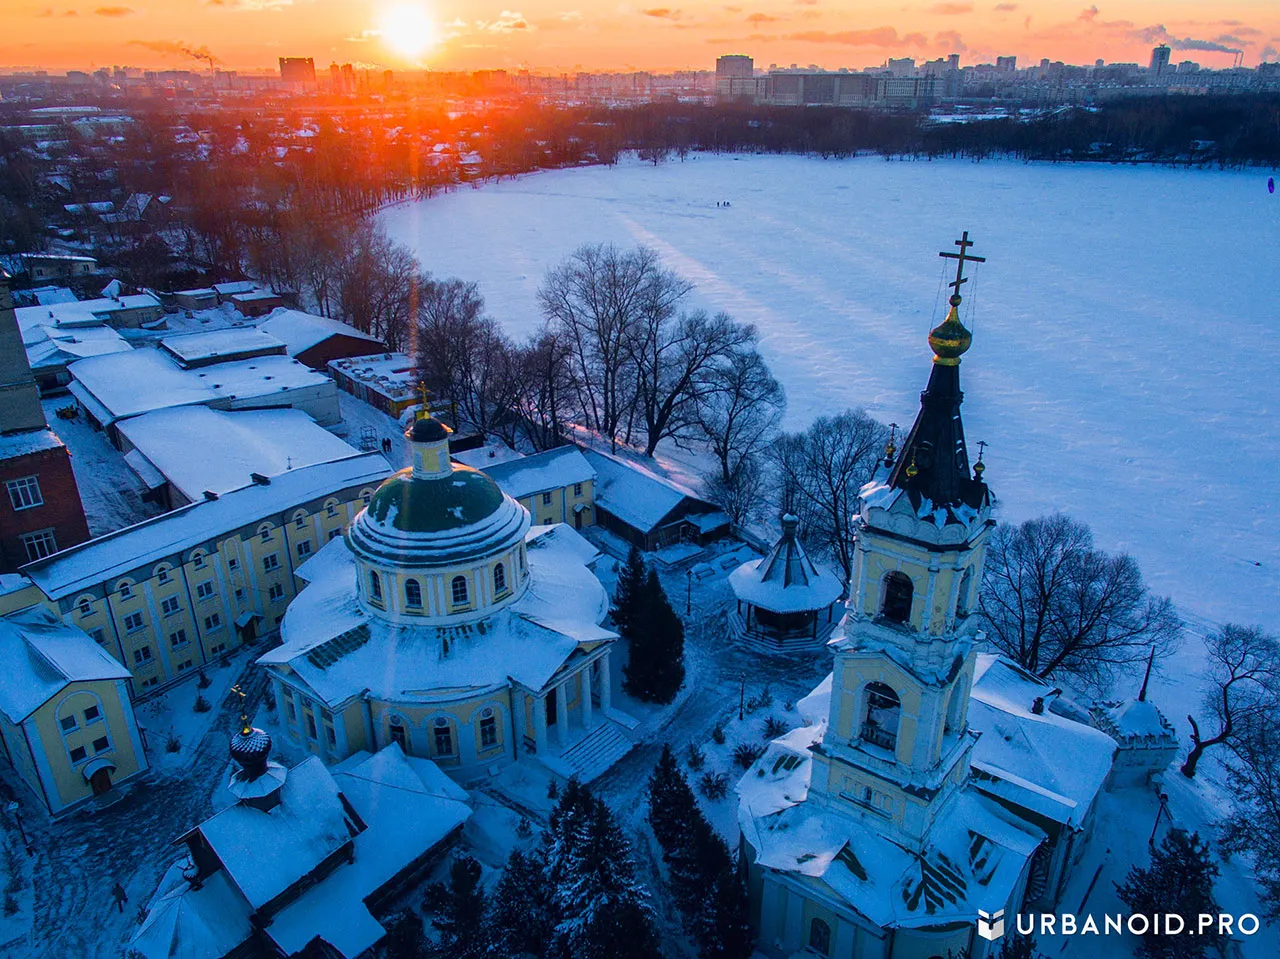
(914, 804)
(66, 723)
(172, 593)
(555, 486)
(443, 623)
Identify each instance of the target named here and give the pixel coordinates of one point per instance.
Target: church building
(889, 826)
(444, 622)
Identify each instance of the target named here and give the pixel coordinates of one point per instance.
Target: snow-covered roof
(193, 923)
(394, 375)
(103, 559)
(552, 469)
(633, 494)
(82, 312)
(409, 807)
(560, 536)
(300, 331)
(339, 650)
(40, 655)
(234, 341)
(264, 852)
(141, 380)
(54, 346)
(196, 448)
(234, 287)
(1134, 721)
(1046, 761)
(49, 295)
(28, 441)
(253, 296)
(491, 454)
(785, 581)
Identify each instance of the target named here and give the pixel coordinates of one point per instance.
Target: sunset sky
(554, 35)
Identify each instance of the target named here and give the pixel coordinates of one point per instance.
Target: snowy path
(79, 859)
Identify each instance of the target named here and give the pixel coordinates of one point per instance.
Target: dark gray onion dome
(428, 430)
(251, 748)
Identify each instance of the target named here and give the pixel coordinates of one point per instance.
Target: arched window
(499, 579)
(458, 590)
(820, 937)
(897, 597)
(85, 608)
(443, 734)
(375, 585)
(962, 599)
(398, 734)
(412, 594)
(880, 723)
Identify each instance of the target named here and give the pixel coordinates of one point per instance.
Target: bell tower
(898, 743)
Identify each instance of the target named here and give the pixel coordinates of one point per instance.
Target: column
(606, 683)
(584, 686)
(540, 725)
(517, 724)
(562, 713)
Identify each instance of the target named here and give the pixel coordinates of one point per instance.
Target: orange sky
(552, 35)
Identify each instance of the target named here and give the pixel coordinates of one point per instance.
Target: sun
(408, 30)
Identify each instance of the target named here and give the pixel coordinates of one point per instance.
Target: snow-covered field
(1121, 367)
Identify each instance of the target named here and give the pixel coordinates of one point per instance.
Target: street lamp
(688, 596)
(16, 811)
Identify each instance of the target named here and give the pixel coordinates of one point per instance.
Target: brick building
(40, 508)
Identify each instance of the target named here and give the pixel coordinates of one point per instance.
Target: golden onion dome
(950, 340)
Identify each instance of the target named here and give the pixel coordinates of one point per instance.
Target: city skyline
(653, 35)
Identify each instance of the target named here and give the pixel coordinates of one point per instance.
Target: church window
(311, 724)
(577, 489)
(68, 723)
(413, 594)
(101, 743)
(443, 737)
(962, 600)
(880, 726)
(458, 589)
(266, 534)
(820, 937)
(331, 510)
(398, 734)
(897, 597)
(488, 729)
(375, 586)
(499, 579)
(162, 575)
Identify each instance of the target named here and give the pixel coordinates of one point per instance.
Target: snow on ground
(172, 714)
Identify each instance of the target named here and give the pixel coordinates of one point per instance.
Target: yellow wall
(560, 509)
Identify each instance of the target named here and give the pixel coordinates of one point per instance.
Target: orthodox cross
(961, 259)
(244, 718)
(982, 448)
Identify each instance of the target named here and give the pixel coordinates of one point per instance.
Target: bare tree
(821, 471)
(1253, 827)
(1055, 604)
(379, 286)
(593, 301)
(1243, 687)
(674, 359)
(449, 316)
(545, 388)
(742, 495)
(741, 409)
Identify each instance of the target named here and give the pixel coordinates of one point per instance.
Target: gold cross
(961, 259)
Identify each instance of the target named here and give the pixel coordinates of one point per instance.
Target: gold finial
(245, 728)
(912, 469)
(950, 339)
(889, 448)
(425, 411)
(979, 467)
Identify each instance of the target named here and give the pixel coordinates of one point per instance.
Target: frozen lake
(1123, 366)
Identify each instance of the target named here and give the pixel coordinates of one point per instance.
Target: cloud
(508, 22)
(1158, 34)
(176, 48)
(1089, 14)
(875, 37)
(806, 3)
(249, 4)
(762, 18)
(364, 36)
(949, 8)
(950, 40)
(1005, 7)
(662, 13)
(1268, 52)
(114, 12)
(571, 16)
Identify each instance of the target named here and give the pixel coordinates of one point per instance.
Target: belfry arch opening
(898, 593)
(880, 718)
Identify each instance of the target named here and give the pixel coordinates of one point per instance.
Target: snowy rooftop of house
(331, 644)
(27, 442)
(49, 295)
(1134, 721)
(1043, 761)
(196, 448)
(234, 341)
(552, 469)
(409, 807)
(74, 570)
(253, 296)
(52, 346)
(300, 331)
(198, 291)
(491, 454)
(186, 923)
(562, 537)
(39, 655)
(266, 852)
(632, 493)
(81, 312)
(141, 380)
(234, 287)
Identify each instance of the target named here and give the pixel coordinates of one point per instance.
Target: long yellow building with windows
(444, 622)
(166, 596)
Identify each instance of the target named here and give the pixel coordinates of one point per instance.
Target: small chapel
(933, 785)
(444, 622)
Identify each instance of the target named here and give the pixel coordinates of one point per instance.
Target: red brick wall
(337, 347)
(62, 510)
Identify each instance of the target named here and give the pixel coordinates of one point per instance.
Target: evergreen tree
(655, 635)
(1178, 881)
(405, 938)
(458, 909)
(728, 933)
(519, 919)
(671, 801)
(630, 585)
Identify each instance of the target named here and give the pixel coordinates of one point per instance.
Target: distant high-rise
(298, 70)
(1006, 64)
(953, 61)
(1159, 59)
(902, 67)
(734, 66)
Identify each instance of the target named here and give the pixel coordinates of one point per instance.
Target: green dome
(412, 504)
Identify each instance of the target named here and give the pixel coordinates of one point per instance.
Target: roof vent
(210, 495)
(260, 479)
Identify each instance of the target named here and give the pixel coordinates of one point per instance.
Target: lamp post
(16, 811)
(688, 595)
(1162, 811)
(742, 697)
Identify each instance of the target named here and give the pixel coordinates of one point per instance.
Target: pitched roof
(40, 655)
(551, 469)
(300, 331)
(633, 494)
(785, 581)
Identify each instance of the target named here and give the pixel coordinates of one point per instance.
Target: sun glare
(408, 30)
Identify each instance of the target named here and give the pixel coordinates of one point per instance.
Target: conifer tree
(655, 668)
(458, 910)
(1178, 881)
(671, 802)
(728, 934)
(519, 918)
(630, 585)
(405, 938)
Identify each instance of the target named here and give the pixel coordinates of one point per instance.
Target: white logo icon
(991, 924)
